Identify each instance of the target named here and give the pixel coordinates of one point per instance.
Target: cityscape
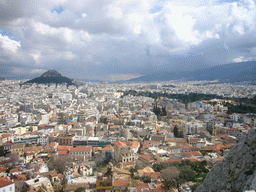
(109, 137)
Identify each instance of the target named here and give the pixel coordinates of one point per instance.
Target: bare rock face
(237, 171)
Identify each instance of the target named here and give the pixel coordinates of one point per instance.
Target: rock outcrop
(237, 171)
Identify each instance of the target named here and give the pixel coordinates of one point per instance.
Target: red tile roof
(2, 169)
(32, 190)
(120, 144)
(119, 182)
(35, 149)
(4, 181)
(81, 148)
(60, 176)
(6, 135)
(194, 140)
(64, 147)
(145, 146)
(145, 188)
(134, 144)
(22, 177)
(146, 158)
(15, 170)
(195, 153)
(53, 144)
(107, 148)
(153, 175)
(63, 152)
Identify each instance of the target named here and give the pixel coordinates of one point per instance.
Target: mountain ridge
(233, 72)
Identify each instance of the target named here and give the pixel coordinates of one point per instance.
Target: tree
(9, 169)
(61, 118)
(14, 158)
(20, 185)
(170, 176)
(80, 189)
(2, 152)
(133, 170)
(186, 174)
(146, 179)
(59, 163)
(176, 131)
(30, 129)
(164, 111)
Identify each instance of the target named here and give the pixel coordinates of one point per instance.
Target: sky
(122, 39)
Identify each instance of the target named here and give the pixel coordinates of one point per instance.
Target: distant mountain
(90, 80)
(51, 76)
(234, 72)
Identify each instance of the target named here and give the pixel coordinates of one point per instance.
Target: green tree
(186, 174)
(164, 111)
(133, 170)
(30, 129)
(176, 131)
(80, 189)
(2, 152)
(146, 179)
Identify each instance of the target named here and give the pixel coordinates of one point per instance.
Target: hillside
(234, 72)
(237, 171)
(51, 76)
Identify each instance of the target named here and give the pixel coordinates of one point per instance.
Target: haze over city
(118, 40)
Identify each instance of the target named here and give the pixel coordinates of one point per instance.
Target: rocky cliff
(237, 171)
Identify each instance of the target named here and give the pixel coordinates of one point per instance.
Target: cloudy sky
(121, 39)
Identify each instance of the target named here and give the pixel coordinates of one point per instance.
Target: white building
(45, 119)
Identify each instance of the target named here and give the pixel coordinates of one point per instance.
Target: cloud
(119, 38)
(8, 46)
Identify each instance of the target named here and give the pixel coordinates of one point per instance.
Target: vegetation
(9, 169)
(184, 98)
(51, 76)
(188, 171)
(103, 119)
(210, 131)
(159, 112)
(177, 133)
(133, 170)
(146, 179)
(62, 118)
(59, 163)
(80, 189)
(245, 105)
(242, 108)
(170, 177)
(2, 152)
(14, 158)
